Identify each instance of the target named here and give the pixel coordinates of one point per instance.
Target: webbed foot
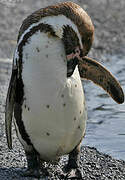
(33, 162)
(31, 173)
(72, 169)
(74, 174)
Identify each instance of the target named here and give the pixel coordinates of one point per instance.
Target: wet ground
(106, 119)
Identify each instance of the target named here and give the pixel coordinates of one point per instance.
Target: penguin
(45, 97)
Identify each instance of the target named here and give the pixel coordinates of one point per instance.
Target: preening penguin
(45, 96)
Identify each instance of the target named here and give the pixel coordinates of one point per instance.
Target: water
(106, 118)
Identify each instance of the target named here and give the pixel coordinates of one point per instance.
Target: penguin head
(77, 46)
(75, 29)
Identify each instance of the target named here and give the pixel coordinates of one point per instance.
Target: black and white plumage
(45, 93)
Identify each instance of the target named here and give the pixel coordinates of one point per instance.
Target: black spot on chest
(37, 49)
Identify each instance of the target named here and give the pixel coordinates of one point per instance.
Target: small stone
(74, 118)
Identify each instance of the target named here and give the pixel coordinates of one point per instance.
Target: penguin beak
(92, 70)
(71, 64)
(72, 60)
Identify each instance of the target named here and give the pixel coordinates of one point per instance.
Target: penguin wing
(10, 100)
(92, 70)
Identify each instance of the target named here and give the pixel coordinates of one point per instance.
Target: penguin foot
(74, 174)
(33, 162)
(31, 173)
(71, 165)
(72, 168)
(72, 171)
(45, 172)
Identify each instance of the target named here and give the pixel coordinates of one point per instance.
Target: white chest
(54, 110)
(44, 70)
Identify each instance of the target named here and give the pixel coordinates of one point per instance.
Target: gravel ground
(108, 18)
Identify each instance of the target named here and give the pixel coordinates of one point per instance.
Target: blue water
(106, 118)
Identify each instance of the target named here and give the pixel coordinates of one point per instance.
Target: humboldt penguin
(45, 97)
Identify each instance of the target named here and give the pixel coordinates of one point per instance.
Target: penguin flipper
(92, 70)
(10, 100)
